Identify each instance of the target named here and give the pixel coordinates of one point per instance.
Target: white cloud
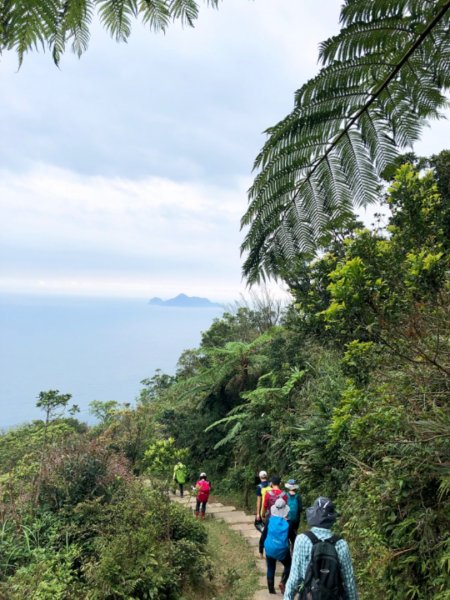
(161, 234)
(126, 172)
(190, 104)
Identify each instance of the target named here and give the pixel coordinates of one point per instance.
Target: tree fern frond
(376, 136)
(230, 435)
(29, 24)
(184, 10)
(361, 10)
(338, 75)
(155, 14)
(377, 38)
(116, 15)
(72, 21)
(228, 419)
(346, 127)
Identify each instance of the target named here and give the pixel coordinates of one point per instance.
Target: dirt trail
(244, 525)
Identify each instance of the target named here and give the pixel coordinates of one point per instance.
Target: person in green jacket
(179, 476)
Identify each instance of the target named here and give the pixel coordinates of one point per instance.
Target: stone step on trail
(248, 535)
(261, 566)
(186, 498)
(243, 527)
(243, 524)
(220, 509)
(253, 541)
(235, 517)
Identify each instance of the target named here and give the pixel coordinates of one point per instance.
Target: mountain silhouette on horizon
(184, 301)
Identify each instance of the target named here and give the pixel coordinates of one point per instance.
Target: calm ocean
(93, 349)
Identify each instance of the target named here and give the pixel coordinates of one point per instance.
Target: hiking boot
(282, 587)
(203, 515)
(196, 514)
(271, 586)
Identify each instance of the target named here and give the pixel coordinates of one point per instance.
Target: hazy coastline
(93, 348)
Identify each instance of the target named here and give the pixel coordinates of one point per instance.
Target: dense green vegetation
(76, 523)
(351, 393)
(347, 391)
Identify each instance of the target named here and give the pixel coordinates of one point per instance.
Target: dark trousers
(181, 486)
(272, 564)
(203, 505)
(293, 528)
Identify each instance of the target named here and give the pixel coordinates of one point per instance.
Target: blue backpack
(277, 544)
(295, 506)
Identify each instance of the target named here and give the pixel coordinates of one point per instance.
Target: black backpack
(323, 579)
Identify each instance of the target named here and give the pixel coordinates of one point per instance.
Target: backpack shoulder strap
(311, 536)
(333, 539)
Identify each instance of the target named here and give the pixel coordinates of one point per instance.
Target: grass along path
(239, 572)
(234, 573)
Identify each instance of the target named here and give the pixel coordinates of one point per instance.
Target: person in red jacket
(272, 496)
(203, 487)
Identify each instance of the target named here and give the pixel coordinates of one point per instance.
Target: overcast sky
(125, 173)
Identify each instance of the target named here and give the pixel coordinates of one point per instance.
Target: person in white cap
(275, 542)
(203, 487)
(262, 486)
(295, 508)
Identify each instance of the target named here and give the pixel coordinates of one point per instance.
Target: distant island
(185, 302)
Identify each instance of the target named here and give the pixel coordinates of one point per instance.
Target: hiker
(295, 508)
(261, 489)
(179, 476)
(275, 541)
(203, 487)
(271, 495)
(321, 563)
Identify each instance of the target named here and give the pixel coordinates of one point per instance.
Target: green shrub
(79, 471)
(160, 458)
(48, 576)
(147, 550)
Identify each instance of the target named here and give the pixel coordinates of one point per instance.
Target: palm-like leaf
(115, 16)
(29, 24)
(229, 368)
(383, 76)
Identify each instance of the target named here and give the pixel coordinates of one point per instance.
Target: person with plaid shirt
(320, 518)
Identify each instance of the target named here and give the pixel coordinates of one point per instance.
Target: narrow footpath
(244, 525)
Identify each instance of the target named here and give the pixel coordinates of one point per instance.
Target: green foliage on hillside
(348, 393)
(75, 522)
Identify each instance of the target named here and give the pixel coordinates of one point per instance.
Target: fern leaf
(385, 74)
(184, 10)
(116, 15)
(155, 14)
